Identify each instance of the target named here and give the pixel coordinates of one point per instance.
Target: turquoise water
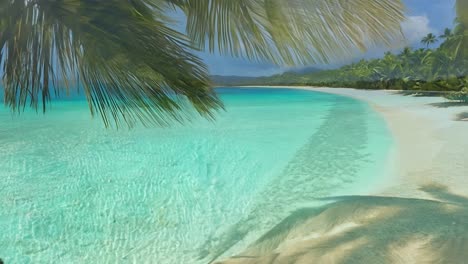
(74, 192)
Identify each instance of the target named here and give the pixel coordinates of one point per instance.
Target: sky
(422, 17)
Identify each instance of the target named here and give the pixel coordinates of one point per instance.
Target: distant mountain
(284, 78)
(232, 80)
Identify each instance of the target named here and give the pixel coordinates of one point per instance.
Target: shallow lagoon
(73, 191)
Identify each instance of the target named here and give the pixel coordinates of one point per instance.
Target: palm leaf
(133, 67)
(461, 31)
(291, 32)
(462, 11)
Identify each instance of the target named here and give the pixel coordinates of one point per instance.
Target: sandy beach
(417, 214)
(431, 143)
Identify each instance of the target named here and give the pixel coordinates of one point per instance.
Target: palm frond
(131, 66)
(294, 31)
(134, 67)
(462, 12)
(460, 41)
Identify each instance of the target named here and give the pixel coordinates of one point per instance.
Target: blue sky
(423, 17)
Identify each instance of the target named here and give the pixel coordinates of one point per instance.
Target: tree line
(424, 69)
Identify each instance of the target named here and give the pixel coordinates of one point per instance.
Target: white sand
(419, 213)
(432, 145)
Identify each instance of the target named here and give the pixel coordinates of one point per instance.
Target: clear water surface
(75, 192)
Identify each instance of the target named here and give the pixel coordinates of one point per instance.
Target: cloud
(415, 28)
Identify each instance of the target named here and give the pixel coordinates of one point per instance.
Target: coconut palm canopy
(459, 43)
(429, 39)
(133, 66)
(447, 34)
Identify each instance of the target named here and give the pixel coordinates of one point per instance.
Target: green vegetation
(133, 66)
(461, 96)
(441, 69)
(429, 39)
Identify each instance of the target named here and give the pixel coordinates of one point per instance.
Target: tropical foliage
(133, 66)
(441, 69)
(461, 96)
(429, 39)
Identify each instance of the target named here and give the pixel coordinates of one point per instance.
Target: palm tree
(462, 12)
(407, 64)
(388, 70)
(133, 66)
(459, 41)
(406, 52)
(447, 34)
(429, 39)
(442, 64)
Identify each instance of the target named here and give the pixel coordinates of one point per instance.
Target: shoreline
(421, 131)
(419, 213)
